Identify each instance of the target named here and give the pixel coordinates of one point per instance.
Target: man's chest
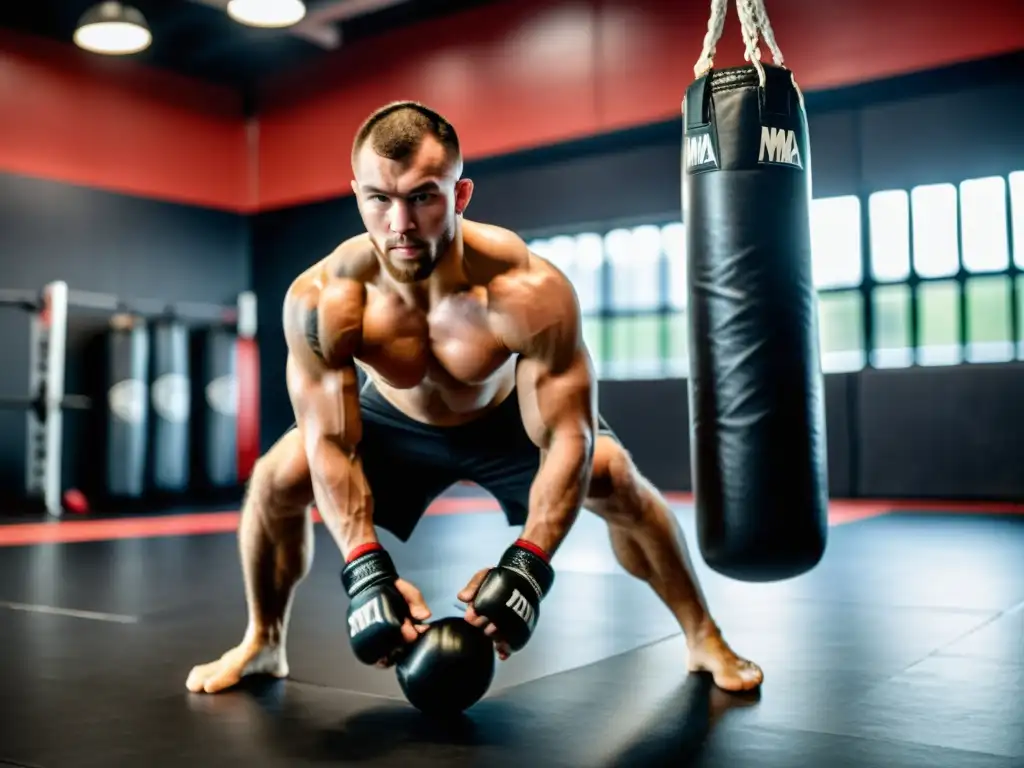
(454, 337)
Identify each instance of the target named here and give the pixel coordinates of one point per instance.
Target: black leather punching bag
(128, 354)
(757, 429)
(170, 406)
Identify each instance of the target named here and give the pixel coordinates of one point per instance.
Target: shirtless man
(477, 371)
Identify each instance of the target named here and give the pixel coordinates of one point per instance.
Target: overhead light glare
(113, 29)
(267, 13)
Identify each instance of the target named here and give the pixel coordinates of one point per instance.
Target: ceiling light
(267, 13)
(113, 28)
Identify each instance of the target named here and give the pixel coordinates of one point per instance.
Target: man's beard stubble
(418, 269)
(409, 270)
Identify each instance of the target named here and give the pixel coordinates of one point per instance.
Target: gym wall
(117, 180)
(172, 183)
(895, 133)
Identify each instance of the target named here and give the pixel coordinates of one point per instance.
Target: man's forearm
(558, 490)
(343, 499)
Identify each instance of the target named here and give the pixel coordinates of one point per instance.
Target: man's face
(410, 208)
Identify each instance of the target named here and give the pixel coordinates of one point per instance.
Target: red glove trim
(362, 549)
(531, 547)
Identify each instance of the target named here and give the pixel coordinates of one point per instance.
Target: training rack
(47, 400)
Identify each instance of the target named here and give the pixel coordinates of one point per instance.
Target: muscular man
(476, 370)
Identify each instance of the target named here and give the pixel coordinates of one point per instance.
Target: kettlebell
(448, 668)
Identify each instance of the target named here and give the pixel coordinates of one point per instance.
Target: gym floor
(905, 647)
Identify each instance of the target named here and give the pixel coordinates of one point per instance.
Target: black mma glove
(376, 609)
(510, 594)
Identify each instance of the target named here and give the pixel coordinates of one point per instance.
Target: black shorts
(408, 463)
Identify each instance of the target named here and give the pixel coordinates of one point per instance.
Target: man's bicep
(323, 330)
(542, 323)
(326, 407)
(558, 403)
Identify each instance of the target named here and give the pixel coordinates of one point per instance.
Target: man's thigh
(504, 461)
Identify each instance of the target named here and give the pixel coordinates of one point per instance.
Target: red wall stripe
(112, 124)
(512, 75)
(648, 47)
(523, 73)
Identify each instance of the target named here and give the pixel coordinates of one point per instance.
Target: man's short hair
(397, 130)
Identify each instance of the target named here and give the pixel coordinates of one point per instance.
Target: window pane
(541, 248)
(1020, 317)
(989, 337)
(891, 307)
(586, 271)
(936, 245)
(673, 243)
(593, 337)
(841, 328)
(636, 347)
(678, 363)
(1017, 216)
(938, 323)
(560, 251)
(889, 226)
(983, 220)
(635, 257)
(835, 242)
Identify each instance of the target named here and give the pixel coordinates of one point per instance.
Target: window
(673, 243)
(580, 258)
(989, 320)
(941, 284)
(938, 322)
(889, 226)
(588, 259)
(836, 263)
(1019, 333)
(835, 242)
(1017, 216)
(635, 256)
(841, 330)
(936, 247)
(891, 310)
(983, 221)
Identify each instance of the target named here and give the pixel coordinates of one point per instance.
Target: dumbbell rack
(45, 432)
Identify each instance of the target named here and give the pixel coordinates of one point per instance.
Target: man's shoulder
(355, 259)
(498, 248)
(518, 278)
(504, 262)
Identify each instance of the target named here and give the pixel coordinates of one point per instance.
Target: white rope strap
(754, 22)
(715, 25)
(767, 33)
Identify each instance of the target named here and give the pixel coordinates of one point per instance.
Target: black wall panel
(652, 419)
(941, 432)
(100, 241)
(840, 389)
(943, 138)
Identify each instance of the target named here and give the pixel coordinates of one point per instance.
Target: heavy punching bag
(220, 408)
(127, 406)
(757, 428)
(170, 399)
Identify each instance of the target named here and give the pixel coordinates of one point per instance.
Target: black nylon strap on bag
(757, 428)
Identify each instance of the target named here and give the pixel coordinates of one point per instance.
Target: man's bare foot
(249, 658)
(710, 653)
